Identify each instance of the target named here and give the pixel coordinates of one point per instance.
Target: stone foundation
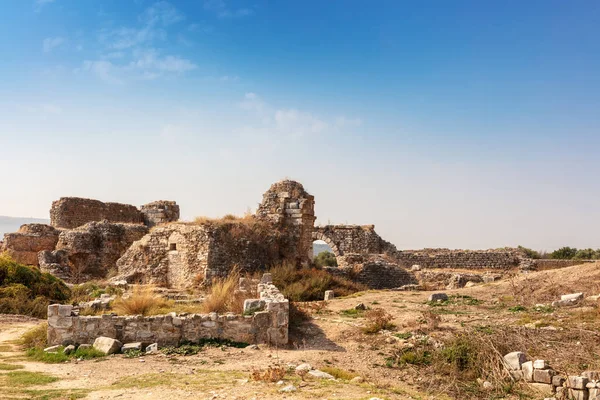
(374, 271)
(266, 325)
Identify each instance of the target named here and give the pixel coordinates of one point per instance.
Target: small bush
(183, 350)
(377, 320)
(325, 259)
(339, 373)
(271, 374)
(530, 253)
(141, 302)
(304, 284)
(352, 313)
(35, 337)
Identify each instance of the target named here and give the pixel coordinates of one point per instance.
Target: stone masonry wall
(72, 212)
(352, 239)
(268, 325)
(23, 246)
(467, 259)
(160, 212)
(373, 270)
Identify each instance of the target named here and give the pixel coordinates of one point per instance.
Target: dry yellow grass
(224, 295)
(142, 301)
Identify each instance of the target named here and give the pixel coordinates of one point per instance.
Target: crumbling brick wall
(72, 212)
(23, 246)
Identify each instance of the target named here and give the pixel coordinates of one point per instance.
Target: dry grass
(271, 374)
(141, 302)
(35, 337)
(378, 319)
(224, 295)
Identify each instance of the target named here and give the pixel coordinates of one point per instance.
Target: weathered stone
(329, 295)
(572, 297)
(24, 245)
(558, 380)
(514, 360)
(527, 368)
(438, 297)
(320, 374)
(577, 382)
(303, 367)
(540, 364)
(543, 375)
(591, 375)
(288, 388)
(107, 345)
(543, 388)
(576, 394)
(52, 349)
(69, 349)
(131, 346)
(253, 305)
(151, 349)
(73, 212)
(360, 307)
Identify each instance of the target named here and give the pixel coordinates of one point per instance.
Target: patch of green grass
(518, 308)
(58, 357)
(27, 378)
(46, 394)
(202, 380)
(404, 335)
(10, 367)
(339, 373)
(133, 353)
(184, 350)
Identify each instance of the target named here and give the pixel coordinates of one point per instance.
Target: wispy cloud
(130, 52)
(222, 10)
(38, 5)
(51, 43)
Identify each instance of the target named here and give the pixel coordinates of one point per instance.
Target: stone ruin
(265, 320)
(89, 239)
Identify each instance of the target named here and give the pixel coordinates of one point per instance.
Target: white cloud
(39, 4)
(343, 122)
(161, 13)
(220, 8)
(51, 43)
(105, 70)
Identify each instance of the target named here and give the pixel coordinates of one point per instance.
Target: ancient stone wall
(352, 239)
(91, 250)
(467, 259)
(72, 212)
(373, 270)
(269, 325)
(160, 212)
(183, 255)
(291, 210)
(23, 246)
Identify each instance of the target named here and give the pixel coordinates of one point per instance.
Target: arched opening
(323, 255)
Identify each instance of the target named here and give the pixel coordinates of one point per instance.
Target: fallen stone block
(591, 375)
(51, 349)
(329, 295)
(288, 388)
(543, 388)
(515, 360)
(527, 368)
(438, 297)
(540, 364)
(543, 375)
(303, 367)
(558, 380)
(577, 382)
(151, 349)
(360, 306)
(107, 345)
(572, 297)
(320, 374)
(131, 346)
(69, 349)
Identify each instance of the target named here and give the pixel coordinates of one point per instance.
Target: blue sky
(462, 124)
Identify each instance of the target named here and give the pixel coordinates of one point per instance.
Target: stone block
(253, 305)
(591, 375)
(527, 368)
(438, 297)
(572, 297)
(543, 388)
(577, 382)
(107, 345)
(540, 364)
(266, 278)
(131, 346)
(151, 349)
(515, 360)
(329, 295)
(594, 393)
(65, 310)
(543, 375)
(558, 380)
(52, 349)
(315, 373)
(69, 349)
(576, 394)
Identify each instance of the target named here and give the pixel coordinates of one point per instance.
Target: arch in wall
(330, 243)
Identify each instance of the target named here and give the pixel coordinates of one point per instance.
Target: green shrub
(25, 290)
(325, 259)
(587, 254)
(304, 284)
(38, 354)
(530, 253)
(564, 253)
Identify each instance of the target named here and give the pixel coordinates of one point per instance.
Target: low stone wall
(467, 259)
(266, 325)
(23, 246)
(543, 378)
(372, 270)
(72, 212)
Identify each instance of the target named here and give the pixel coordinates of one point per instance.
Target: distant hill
(12, 224)
(319, 248)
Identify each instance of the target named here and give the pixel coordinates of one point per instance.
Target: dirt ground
(332, 338)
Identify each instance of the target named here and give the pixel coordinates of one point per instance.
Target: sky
(459, 124)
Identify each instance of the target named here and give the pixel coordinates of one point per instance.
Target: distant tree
(564, 253)
(325, 259)
(529, 253)
(587, 254)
